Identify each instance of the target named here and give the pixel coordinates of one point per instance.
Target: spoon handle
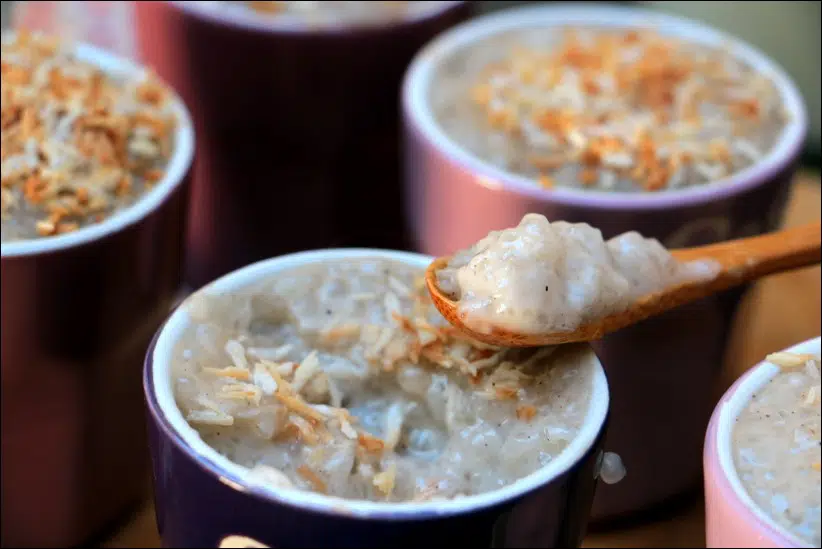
(747, 259)
(741, 261)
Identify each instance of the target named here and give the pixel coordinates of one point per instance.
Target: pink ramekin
(732, 519)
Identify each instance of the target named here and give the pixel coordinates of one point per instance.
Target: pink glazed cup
(673, 361)
(732, 519)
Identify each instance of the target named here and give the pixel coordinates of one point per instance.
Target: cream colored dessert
(77, 144)
(342, 378)
(606, 109)
(543, 277)
(333, 13)
(776, 446)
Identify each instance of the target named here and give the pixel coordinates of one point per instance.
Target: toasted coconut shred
(344, 379)
(621, 110)
(77, 144)
(777, 445)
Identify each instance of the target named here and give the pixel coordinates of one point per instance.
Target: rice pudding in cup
(96, 155)
(311, 394)
(456, 196)
(762, 455)
(293, 107)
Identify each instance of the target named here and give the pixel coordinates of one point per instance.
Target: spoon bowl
(740, 261)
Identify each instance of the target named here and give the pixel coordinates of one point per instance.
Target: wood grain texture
(780, 311)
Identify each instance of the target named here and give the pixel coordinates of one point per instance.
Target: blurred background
(787, 31)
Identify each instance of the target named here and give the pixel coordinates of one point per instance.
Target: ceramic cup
(78, 311)
(732, 519)
(673, 361)
(296, 127)
(202, 499)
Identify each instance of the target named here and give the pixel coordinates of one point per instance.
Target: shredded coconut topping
(620, 109)
(77, 144)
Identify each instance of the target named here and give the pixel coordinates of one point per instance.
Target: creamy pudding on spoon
(543, 277)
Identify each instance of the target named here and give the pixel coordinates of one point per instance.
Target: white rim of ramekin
(238, 477)
(418, 80)
(730, 408)
(175, 172)
(247, 19)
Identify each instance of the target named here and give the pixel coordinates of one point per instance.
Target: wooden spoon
(741, 261)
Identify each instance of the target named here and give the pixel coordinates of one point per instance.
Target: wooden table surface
(778, 312)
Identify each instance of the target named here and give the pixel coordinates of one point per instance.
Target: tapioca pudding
(78, 144)
(776, 445)
(341, 377)
(615, 109)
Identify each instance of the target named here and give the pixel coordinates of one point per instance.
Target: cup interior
(422, 72)
(175, 171)
(161, 403)
(730, 408)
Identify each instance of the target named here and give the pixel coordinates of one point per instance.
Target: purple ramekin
(298, 128)
(78, 311)
(201, 498)
(663, 370)
(732, 518)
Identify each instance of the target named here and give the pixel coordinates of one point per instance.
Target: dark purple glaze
(75, 326)
(195, 508)
(662, 371)
(298, 131)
